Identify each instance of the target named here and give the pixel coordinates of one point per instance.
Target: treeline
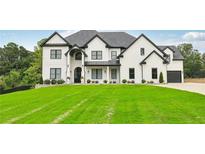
(20, 67)
(194, 61)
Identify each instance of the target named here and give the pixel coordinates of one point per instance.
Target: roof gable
(176, 53)
(55, 40)
(142, 35)
(153, 52)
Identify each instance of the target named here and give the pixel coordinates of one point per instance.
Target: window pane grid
(154, 73)
(55, 54)
(113, 73)
(96, 73)
(113, 54)
(96, 55)
(131, 73)
(55, 73)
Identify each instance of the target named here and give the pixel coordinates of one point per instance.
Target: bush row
(53, 81)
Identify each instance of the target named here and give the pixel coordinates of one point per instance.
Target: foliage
(53, 81)
(13, 79)
(124, 81)
(161, 78)
(194, 62)
(104, 81)
(47, 81)
(88, 81)
(143, 81)
(60, 81)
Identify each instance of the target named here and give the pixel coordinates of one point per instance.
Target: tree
(192, 60)
(14, 57)
(161, 79)
(33, 74)
(13, 79)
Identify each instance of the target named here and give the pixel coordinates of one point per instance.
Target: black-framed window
(113, 73)
(154, 73)
(78, 56)
(55, 73)
(113, 54)
(96, 55)
(96, 73)
(131, 73)
(55, 54)
(142, 51)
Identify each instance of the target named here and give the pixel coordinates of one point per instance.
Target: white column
(68, 69)
(108, 74)
(83, 69)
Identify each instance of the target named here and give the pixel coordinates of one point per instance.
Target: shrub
(93, 81)
(143, 81)
(151, 82)
(114, 82)
(110, 82)
(53, 81)
(161, 79)
(96, 81)
(128, 81)
(60, 81)
(47, 81)
(124, 81)
(41, 80)
(105, 81)
(88, 81)
(133, 81)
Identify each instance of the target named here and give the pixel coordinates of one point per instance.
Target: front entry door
(77, 75)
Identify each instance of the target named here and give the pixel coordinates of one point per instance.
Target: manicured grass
(120, 104)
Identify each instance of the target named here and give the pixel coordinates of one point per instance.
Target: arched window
(78, 56)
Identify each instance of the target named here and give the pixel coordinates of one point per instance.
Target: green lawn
(117, 104)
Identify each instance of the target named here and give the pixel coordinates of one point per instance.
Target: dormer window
(168, 58)
(113, 55)
(78, 56)
(55, 54)
(142, 51)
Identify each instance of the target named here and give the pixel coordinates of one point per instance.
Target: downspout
(142, 72)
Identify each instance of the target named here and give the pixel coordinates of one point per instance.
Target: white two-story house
(112, 56)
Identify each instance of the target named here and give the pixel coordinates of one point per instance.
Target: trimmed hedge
(20, 88)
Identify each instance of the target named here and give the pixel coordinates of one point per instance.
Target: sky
(29, 38)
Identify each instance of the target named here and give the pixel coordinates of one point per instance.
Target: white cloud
(67, 32)
(194, 36)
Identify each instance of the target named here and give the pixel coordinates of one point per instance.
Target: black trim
(86, 44)
(55, 45)
(142, 35)
(164, 60)
(55, 33)
(75, 45)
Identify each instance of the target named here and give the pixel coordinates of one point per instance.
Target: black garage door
(174, 76)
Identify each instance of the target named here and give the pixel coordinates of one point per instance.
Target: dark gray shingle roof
(113, 39)
(177, 54)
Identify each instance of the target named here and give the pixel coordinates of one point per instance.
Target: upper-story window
(142, 51)
(113, 54)
(96, 55)
(78, 56)
(55, 54)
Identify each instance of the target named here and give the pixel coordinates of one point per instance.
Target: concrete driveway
(192, 87)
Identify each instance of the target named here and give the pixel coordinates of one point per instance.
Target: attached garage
(174, 77)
